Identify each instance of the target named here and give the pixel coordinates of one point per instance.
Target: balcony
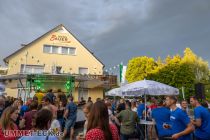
(105, 81)
(82, 81)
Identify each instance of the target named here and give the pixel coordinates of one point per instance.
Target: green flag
(121, 70)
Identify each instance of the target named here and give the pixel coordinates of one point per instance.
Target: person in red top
(26, 122)
(98, 127)
(153, 104)
(7, 122)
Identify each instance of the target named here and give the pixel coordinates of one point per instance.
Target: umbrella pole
(145, 117)
(145, 106)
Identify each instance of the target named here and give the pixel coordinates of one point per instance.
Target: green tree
(198, 65)
(176, 74)
(160, 63)
(139, 67)
(176, 71)
(168, 59)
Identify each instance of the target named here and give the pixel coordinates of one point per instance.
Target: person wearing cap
(179, 124)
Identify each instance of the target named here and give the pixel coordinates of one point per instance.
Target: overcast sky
(115, 30)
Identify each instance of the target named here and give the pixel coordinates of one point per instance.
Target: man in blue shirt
(161, 115)
(201, 120)
(180, 124)
(184, 106)
(71, 116)
(140, 109)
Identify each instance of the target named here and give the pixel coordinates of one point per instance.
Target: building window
(68, 51)
(31, 69)
(72, 51)
(59, 50)
(55, 49)
(65, 50)
(83, 70)
(47, 49)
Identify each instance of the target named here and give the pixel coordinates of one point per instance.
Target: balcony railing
(109, 80)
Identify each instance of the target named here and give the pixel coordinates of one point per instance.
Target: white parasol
(114, 92)
(148, 87)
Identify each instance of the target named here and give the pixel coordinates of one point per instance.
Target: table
(146, 123)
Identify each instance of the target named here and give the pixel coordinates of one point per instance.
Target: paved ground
(78, 129)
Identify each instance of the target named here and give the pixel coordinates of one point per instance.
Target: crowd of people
(106, 119)
(171, 121)
(56, 113)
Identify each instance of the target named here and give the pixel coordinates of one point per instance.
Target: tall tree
(176, 71)
(139, 67)
(198, 65)
(176, 74)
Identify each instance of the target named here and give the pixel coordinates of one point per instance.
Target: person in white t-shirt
(55, 125)
(133, 106)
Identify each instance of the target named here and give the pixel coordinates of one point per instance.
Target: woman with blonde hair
(7, 121)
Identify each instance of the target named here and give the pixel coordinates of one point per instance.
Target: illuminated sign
(60, 38)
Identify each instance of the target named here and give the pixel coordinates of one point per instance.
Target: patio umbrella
(114, 92)
(148, 87)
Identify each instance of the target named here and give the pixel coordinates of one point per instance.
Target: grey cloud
(114, 30)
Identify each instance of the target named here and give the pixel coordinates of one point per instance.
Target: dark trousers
(62, 123)
(165, 138)
(125, 137)
(196, 138)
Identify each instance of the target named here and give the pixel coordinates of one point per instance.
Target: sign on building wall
(60, 38)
